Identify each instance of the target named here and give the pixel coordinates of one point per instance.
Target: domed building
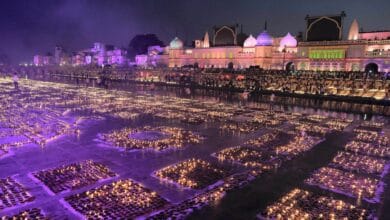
(361, 51)
(176, 43)
(250, 41)
(288, 41)
(264, 39)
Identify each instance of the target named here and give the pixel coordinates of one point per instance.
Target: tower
(354, 31)
(206, 40)
(57, 54)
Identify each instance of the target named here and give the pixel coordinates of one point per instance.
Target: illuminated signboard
(327, 54)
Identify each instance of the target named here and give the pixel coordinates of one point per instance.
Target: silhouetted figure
(271, 101)
(15, 79)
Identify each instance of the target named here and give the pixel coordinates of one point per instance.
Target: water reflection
(285, 103)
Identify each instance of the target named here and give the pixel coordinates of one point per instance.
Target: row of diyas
(368, 149)
(373, 124)
(215, 193)
(268, 120)
(101, 101)
(30, 119)
(122, 199)
(171, 137)
(347, 183)
(317, 118)
(192, 173)
(359, 163)
(302, 204)
(13, 194)
(266, 140)
(36, 122)
(356, 172)
(320, 125)
(33, 214)
(266, 153)
(312, 129)
(300, 144)
(245, 156)
(240, 127)
(338, 124)
(373, 137)
(73, 176)
(210, 196)
(272, 118)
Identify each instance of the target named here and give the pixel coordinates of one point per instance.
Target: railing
(377, 54)
(343, 42)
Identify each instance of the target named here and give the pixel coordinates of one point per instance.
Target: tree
(140, 43)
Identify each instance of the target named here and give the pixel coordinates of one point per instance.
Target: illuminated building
(58, 54)
(99, 54)
(40, 60)
(323, 49)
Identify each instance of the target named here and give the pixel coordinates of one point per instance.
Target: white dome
(250, 41)
(288, 41)
(176, 44)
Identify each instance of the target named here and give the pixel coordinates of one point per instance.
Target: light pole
(284, 56)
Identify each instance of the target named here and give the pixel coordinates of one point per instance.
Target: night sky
(31, 27)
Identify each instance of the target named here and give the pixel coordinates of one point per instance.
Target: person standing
(15, 79)
(271, 100)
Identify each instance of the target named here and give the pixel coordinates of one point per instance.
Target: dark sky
(29, 27)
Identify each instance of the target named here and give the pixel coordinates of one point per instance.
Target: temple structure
(99, 54)
(360, 51)
(322, 48)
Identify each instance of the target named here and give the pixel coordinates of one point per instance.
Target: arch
(371, 68)
(326, 18)
(227, 30)
(290, 67)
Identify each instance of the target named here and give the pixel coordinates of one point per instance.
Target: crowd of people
(342, 83)
(354, 84)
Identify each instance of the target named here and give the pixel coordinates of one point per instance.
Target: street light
(284, 56)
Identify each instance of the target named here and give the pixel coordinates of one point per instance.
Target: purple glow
(148, 135)
(264, 39)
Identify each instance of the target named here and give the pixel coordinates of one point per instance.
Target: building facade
(99, 54)
(360, 51)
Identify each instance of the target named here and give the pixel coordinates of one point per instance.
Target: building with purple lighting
(99, 54)
(323, 48)
(360, 51)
